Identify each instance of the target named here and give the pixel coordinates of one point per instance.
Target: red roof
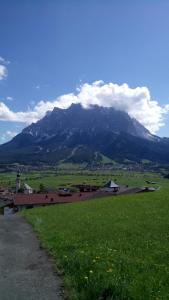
(51, 198)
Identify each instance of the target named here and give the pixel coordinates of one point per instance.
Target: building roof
(111, 184)
(26, 186)
(50, 198)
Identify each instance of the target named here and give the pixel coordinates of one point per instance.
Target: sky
(105, 52)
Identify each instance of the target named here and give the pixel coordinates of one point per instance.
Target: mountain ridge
(76, 134)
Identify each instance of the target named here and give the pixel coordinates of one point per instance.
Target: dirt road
(26, 273)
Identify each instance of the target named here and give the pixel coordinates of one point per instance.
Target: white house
(27, 189)
(112, 186)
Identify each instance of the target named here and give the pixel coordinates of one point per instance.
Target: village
(24, 197)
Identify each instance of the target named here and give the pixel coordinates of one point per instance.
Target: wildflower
(94, 260)
(86, 277)
(109, 270)
(90, 271)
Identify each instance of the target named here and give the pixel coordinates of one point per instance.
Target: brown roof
(51, 198)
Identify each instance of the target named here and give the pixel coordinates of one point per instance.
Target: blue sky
(50, 48)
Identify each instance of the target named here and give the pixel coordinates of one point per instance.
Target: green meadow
(114, 248)
(55, 179)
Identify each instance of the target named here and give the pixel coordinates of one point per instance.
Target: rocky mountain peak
(79, 133)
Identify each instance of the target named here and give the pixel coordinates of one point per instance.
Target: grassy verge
(111, 249)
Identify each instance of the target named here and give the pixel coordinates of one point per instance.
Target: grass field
(111, 248)
(58, 179)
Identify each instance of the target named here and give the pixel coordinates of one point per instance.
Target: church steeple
(18, 183)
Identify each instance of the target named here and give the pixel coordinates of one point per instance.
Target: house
(27, 189)
(6, 206)
(147, 189)
(111, 186)
(64, 192)
(8, 209)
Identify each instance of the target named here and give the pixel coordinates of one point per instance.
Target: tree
(41, 187)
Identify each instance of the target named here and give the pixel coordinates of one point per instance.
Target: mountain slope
(77, 134)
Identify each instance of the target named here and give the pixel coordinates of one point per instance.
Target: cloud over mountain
(136, 102)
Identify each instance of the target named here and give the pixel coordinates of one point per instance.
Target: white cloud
(11, 134)
(9, 98)
(136, 102)
(37, 87)
(3, 72)
(7, 136)
(4, 61)
(3, 68)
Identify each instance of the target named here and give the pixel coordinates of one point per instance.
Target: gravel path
(26, 272)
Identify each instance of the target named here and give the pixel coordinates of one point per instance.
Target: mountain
(77, 135)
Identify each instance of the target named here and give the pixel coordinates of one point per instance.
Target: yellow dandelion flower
(109, 270)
